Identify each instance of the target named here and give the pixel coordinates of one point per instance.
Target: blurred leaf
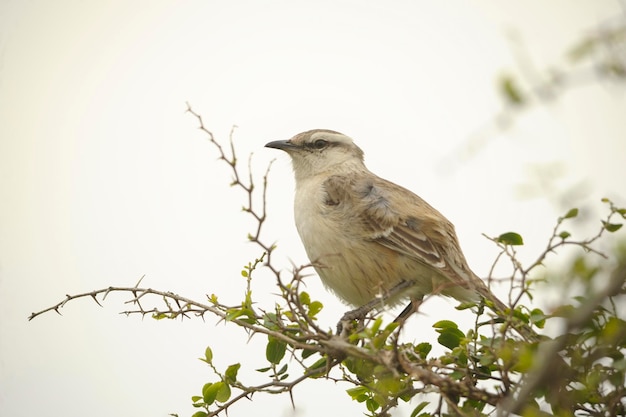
(357, 392)
(571, 213)
(538, 318)
(320, 363)
(305, 299)
(449, 334)
(611, 227)
(564, 234)
(510, 238)
(199, 414)
(315, 307)
(371, 404)
(419, 408)
(445, 324)
(583, 49)
(423, 349)
(510, 90)
(231, 372)
(275, 350)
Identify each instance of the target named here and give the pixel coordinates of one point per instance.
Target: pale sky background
(104, 178)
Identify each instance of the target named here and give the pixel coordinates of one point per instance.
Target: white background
(104, 178)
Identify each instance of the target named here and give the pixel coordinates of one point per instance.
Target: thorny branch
(371, 356)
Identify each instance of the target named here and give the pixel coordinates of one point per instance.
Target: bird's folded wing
(400, 220)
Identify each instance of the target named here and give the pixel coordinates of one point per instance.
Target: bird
(370, 240)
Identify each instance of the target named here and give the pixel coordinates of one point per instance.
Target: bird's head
(317, 151)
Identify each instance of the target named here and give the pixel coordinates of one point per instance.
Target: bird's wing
(394, 217)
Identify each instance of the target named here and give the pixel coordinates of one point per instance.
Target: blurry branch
(597, 57)
(548, 361)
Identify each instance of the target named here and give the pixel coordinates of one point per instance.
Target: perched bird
(370, 240)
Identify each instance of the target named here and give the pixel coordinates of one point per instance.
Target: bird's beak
(283, 145)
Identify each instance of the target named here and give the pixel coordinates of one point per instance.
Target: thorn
(96, 299)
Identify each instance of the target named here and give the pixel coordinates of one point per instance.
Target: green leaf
(611, 227)
(449, 339)
(510, 90)
(275, 350)
(223, 394)
(196, 398)
(571, 213)
(510, 238)
(315, 307)
(208, 354)
(231, 372)
(320, 363)
(564, 234)
(244, 273)
(356, 392)
(305, 299)
(282, 370)
(449, 334)
(583, 49)
(199, 414)
(307, 352)
(445, 324)
(209, 391)
(538, 318)
(423, 349)
(419, 408)
(371, 404)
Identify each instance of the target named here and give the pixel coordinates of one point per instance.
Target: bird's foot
(346, 323)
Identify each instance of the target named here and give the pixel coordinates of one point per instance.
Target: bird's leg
(360, 312)
(409, 309)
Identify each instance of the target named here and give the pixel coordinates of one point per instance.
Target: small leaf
(371, 404)
(510, 90)
(231, 372)
(445, 324)
(450, 338)
(199, 414)
(244, 273)
(315, 307)
(320, 363)
(208, 354)
(564, 234)
(223, 394)
(282, 370)
(305, 299)
(510, 238)
(209, 392)
(538, 318)
(611, 227)
(583, 49)
(275, 350)
(571, 213)
(356, 392)
(196, 398)
(307, 352)
(423, 349)
(419, 408)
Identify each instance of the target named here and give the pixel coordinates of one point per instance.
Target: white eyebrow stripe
(331, 137)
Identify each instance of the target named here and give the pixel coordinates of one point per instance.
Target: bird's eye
(320, 144)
